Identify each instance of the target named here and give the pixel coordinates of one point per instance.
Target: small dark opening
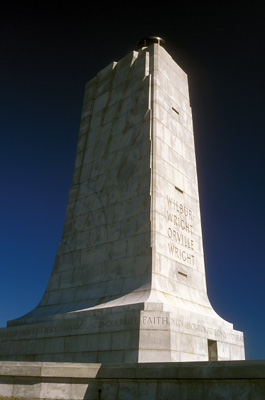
(181, 191)
(176, 111)
(212, 350)
(182, 274)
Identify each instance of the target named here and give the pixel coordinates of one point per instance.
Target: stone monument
(128, 282)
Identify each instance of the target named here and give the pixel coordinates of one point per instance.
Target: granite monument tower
(128, 282)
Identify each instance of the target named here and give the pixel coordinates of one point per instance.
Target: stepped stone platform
(233, 380)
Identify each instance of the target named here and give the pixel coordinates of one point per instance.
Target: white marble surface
(132, 239)
(244, 380)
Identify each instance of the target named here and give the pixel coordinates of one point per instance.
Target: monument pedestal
(141, 332)
(128, 282)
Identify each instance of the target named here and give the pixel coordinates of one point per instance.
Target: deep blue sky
(47, 56)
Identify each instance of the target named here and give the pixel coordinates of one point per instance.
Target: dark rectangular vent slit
(181, 191)
(176, 111)
(182, 274)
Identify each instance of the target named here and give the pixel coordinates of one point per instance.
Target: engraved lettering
(180, 208)
(182, 255)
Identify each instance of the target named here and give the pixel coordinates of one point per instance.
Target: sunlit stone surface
(128, 283)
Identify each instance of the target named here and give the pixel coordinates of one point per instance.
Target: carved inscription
(85, 325)
(91, 325)
(180, 231)
(199, 326)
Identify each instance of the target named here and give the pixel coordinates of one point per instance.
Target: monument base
(135, 333)
(156, 381)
